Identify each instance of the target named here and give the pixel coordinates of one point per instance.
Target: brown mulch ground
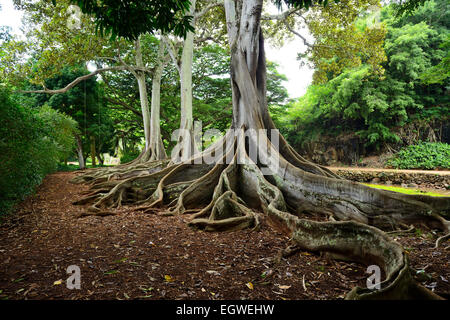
(140, 256)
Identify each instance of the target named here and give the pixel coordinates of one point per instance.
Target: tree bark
(186, 146)
(156, 144)
(93, 152)
(81, 162)
(140, 77)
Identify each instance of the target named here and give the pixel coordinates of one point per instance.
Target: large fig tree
(252, 175)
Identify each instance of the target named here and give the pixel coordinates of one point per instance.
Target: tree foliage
(340, 42)
(32, 142)
(84, 103)
(357, 100)
(129, 19)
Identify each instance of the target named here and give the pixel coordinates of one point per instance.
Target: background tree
(339, 43)
(51, 38)
(380, 109)
(85, 104)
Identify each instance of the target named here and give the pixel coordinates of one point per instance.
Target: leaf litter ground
(131, 255)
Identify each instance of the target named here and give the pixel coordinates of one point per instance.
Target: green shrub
(129, 156)
(426, 155)
(31, 145)
(67, 167)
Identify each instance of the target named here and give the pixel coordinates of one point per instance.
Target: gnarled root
(440, 240)
(230, 196)
(146, 163)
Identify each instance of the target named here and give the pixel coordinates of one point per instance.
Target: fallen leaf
(214, 272)
(32, 286)
(121, 260)
(57, 282)
(111, 272)
(303, 283)
(168, 278)
(284, 287)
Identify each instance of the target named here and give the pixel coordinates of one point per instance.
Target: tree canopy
(129, 19)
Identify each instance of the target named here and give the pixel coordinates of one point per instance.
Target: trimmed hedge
(32, 141)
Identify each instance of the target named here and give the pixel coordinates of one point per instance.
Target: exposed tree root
(144, 164)
(232, 195)
(400, 231)
(441, 239)
(287, 252)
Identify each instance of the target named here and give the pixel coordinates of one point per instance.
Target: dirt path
(135, 256)
(435, 172)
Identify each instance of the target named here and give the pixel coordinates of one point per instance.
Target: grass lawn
(406, 190)
(74, 166)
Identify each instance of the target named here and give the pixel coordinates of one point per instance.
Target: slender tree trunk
(186, 146)
(143, 94)
(156, 144)
(100, 160)
(81, 162)
(93, 153)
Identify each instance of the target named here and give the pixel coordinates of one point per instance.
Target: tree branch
(203, 39)
(281, 16)
(298, 34)
(124, 106)
(207, 8)
(171, 49)
(76, 81)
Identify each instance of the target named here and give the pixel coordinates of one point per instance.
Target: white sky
(286, 57)
(9, 16)
(299, 78)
